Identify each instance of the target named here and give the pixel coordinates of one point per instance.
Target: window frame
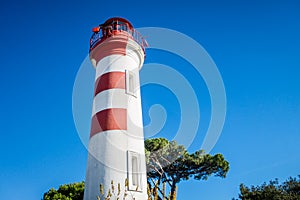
(131, 82)
(130, 157)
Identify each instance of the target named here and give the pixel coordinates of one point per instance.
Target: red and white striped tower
(116, 146)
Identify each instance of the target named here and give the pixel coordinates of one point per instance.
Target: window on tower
(131, 83)
(134, 162)
(134, 174)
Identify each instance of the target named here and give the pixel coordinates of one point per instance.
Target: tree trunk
(173, 191)
(164, 191)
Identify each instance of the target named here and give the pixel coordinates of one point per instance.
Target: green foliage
(72, 191)
(168, 162)
(288, 190)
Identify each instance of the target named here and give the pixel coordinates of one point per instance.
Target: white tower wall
(116, 147)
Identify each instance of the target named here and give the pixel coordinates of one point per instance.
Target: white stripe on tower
(107, 99)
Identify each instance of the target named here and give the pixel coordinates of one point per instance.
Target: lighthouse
(116, 157)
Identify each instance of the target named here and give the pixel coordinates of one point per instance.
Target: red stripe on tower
(109, 119)
(110, 80)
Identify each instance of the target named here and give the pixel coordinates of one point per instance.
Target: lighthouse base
(119, 176)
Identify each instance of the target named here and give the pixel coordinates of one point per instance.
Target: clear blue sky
(255, 44)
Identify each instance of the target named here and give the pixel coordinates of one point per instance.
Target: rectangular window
(134, 163)
(131, 83)
(134, 174)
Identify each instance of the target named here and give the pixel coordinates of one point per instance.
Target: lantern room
(115, 26)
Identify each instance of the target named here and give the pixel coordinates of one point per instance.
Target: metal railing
(114, 29)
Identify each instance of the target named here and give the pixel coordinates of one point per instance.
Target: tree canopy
(72, 191)
(170, 163)
(288, 190)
